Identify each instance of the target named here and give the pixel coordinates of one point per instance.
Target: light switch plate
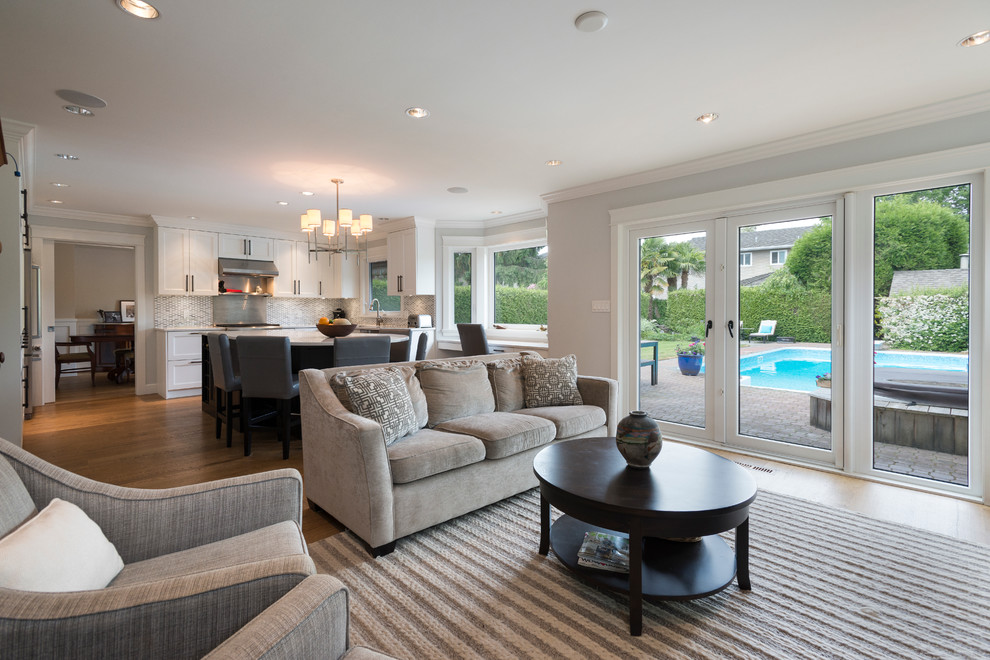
(604, 306)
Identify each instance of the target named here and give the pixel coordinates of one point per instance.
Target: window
(463, 287)
(745, 258)
(378, 278)
(778, 257)
(520, 286)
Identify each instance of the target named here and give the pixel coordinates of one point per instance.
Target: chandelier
(337, 231)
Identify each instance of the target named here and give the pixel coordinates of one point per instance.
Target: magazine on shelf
(608, 552)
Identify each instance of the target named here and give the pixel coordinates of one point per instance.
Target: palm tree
(689, 258)
(654, 264)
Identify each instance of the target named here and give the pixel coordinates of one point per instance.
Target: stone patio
(783, 416)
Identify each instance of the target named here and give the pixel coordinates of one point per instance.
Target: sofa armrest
(144, 523)
(309, 622)
(604, 393)
(345, 463)
(185, 616)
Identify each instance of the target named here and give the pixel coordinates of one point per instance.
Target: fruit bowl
(331, 330)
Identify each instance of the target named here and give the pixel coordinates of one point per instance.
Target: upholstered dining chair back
(266, 367)
(473, 339)
(421, 346)
(225, 376)
(350, 351)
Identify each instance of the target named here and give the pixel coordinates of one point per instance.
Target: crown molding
(90, 216)
(15, 130)
(888, 123)
(525, 216)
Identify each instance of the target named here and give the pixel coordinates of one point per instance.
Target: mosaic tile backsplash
(197, 311)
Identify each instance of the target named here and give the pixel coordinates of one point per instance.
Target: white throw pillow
(60, 549)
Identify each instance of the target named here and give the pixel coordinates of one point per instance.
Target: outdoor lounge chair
(766, 331)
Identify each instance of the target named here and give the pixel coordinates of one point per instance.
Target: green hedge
(804, 315)
(462, 304)
(518, 305)
(653, 308)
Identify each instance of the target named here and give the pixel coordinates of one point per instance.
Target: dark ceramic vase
(638, 439)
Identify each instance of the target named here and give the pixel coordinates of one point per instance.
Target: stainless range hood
(248, 268)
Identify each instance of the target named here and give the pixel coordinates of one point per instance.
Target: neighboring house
(906, 281)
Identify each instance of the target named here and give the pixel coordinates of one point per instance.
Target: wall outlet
(604, 306)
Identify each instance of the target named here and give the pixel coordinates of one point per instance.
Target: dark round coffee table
(687, 492)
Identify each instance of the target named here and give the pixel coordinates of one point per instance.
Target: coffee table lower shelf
(672, 570)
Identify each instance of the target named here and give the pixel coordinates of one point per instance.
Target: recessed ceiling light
(138, 8)
(80, 98)
(76, 110)
(54, 201)
(554, 163)
(282, 203)
(496, 213)
(708, 117)
(67, 156)
(60, 185)
(457, 190)
(417, 113)
(193, 217)
(591, 21)
(977, 39)
(307, 193)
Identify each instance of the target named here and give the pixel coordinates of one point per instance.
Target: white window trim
(483, 249)
(748, 259)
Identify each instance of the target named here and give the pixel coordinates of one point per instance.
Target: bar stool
(473, 339)
(225, 379)
(350, 351)
(266, 373)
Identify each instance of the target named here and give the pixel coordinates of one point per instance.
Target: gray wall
(11, 293)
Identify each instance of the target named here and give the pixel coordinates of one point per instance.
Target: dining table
(105, 344)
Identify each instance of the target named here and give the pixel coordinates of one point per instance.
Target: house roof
(769, 239)
(906, 281)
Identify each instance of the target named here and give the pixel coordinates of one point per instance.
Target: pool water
(796, 368)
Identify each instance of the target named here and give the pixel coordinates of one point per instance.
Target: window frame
(780, 261)
(749, 259)
(374, 255)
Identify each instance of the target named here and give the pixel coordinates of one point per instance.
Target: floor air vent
(755, 467)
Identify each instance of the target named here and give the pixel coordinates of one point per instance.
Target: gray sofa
(200, 564)
(469, 448)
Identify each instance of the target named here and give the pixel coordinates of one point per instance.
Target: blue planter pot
(689, 365)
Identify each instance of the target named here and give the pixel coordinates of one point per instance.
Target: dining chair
(66, 357)
(473, 339)
(422, 346)
(351, 351)
(226, 382)
(266, 373)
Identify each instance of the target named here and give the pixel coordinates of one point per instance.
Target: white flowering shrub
(933, 322)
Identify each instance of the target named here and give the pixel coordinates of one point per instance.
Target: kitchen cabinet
(187, 262)
(299, 273)
(411, 261)
(237, 246)
(180, 361)
(345, 277)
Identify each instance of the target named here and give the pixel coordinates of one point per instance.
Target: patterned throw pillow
(382, 396)
(550, 382)
(408, 375)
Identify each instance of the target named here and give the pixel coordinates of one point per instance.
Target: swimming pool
(796, 368)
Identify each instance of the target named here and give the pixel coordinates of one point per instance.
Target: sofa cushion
(455, 390)
(408, 375)
(506, 377)
(16, 504)
(550, 382)
(60, 549)
(382, 396)
(279, 540)
(569, 420)
(428, 452)
(504, 434)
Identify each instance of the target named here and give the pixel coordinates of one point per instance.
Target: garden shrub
(462, 304)
(935, 322)
(519, 305)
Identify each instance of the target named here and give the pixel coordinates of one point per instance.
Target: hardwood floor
(108, 434)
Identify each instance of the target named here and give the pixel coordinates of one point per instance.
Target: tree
(521, 267)
(915, 235)
(689, 259)
(654, 260)
(952, 197)
(810, 260)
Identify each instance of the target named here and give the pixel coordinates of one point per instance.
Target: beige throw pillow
(455, 390)
(382, 396)
(506, 377)
(60, 549)
(550, 382)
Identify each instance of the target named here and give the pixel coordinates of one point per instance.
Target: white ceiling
(220, 108)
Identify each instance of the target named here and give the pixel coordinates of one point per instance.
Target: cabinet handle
(321, 287)
(250, 250)
(245, 248)
(193, 283)
(187, 282)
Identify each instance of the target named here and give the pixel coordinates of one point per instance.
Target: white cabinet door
(285, 259)
(308, 271)
(173, 261)
(181, 345)
(344, 277)
(396, 255)
(184, 375)
(238, 246)
(410, 262)
(203, 274)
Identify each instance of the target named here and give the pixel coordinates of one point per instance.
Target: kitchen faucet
(378, 319)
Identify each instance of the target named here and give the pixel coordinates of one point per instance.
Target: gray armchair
(200, 562)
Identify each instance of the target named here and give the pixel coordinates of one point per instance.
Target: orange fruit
(323, 321)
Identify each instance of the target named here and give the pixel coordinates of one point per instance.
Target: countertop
(306, 336)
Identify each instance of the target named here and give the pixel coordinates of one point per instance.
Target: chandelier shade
(336, 227)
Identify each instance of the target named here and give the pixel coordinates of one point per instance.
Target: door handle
(708, 328)
(731, 325)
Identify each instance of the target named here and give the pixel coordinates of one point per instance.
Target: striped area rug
(826, 584)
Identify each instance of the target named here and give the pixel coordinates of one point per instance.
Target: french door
(719, 295)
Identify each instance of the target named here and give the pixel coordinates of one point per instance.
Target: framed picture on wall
(111, 317)
(127, 310)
